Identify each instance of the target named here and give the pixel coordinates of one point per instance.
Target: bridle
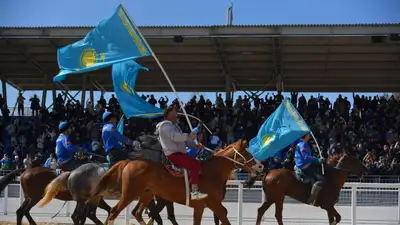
(236, 155)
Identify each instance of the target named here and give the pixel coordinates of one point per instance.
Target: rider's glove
(136, 144)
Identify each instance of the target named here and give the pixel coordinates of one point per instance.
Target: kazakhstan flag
(114, 40)
(124, 76)
(281, 129)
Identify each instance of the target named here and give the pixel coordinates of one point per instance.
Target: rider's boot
(197, 195)
(314, 194)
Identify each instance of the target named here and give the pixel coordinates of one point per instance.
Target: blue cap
(107, 116)
(63, 125)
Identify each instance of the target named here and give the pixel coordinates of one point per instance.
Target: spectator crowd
(368, 129)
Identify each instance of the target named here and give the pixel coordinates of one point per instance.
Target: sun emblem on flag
(268, 139)
(125, 87)
(88, 57)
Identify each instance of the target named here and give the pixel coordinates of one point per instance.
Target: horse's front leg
(333, 216)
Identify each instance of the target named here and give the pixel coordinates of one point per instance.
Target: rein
(236, 162)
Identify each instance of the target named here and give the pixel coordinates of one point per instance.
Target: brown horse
(283, 182)
(33, 183)
(133, 178)
(146, 201)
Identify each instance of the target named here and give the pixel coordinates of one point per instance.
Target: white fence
(359, 203)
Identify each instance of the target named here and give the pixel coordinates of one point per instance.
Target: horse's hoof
(150, 221)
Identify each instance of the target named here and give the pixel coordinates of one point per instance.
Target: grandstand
(302, 58)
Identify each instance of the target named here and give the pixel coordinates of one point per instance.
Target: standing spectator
(20, 103)
(35, 105)
(163, 103)
(152, 100)
(113, 102)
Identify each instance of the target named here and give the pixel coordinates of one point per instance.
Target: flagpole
(319, 149)
(162, 70)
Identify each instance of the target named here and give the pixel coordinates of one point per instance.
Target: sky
(190, 12)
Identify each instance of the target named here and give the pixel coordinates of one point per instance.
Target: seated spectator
(28, 161)
(6, 163)
(51, 162)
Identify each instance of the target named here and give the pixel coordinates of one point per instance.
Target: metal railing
(366, 179)
(358, 202)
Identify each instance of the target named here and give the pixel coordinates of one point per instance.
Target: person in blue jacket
(65, 150)
(113, 141)
(310, 166)
(193, 151)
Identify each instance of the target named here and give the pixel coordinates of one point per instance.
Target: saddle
(178, 171)
(106, 167)
(172, 169)
(302, 177)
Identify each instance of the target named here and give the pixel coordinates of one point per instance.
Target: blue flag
(120, 126)
(114, 40)
(281, 129)
(124, 76)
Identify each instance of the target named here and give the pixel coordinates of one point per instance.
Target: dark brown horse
(133, 178)
(33, 183)
(283, 182)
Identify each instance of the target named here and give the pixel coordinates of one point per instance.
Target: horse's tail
(53, 188)
(106, 179)
(7, 179)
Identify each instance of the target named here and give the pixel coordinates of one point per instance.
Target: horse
(133, 178)
(279, 183)
(82, 180)
(33, 183)
(161, 203)
(159, 206)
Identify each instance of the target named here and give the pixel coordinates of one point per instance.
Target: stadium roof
(312, 58)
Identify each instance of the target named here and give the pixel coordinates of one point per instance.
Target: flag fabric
(281, 129)
(120, 126)
(114, 40)
(124, 76)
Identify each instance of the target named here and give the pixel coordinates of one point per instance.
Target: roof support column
(277, 62)
(44, 92)
(54, 93)
(4, 87)
(229, 86)
(84, 88)
(91, 91)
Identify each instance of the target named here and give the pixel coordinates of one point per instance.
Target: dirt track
(11, 223)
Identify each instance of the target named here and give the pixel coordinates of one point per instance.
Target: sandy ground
(293, 214)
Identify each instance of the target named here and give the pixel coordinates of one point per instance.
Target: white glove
(136, 145)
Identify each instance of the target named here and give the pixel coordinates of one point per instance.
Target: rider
(310, 166)
(65, 150)
(174, 143)
(112, 139)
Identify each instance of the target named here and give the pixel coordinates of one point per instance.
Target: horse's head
(238, 154)
(348, 163)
